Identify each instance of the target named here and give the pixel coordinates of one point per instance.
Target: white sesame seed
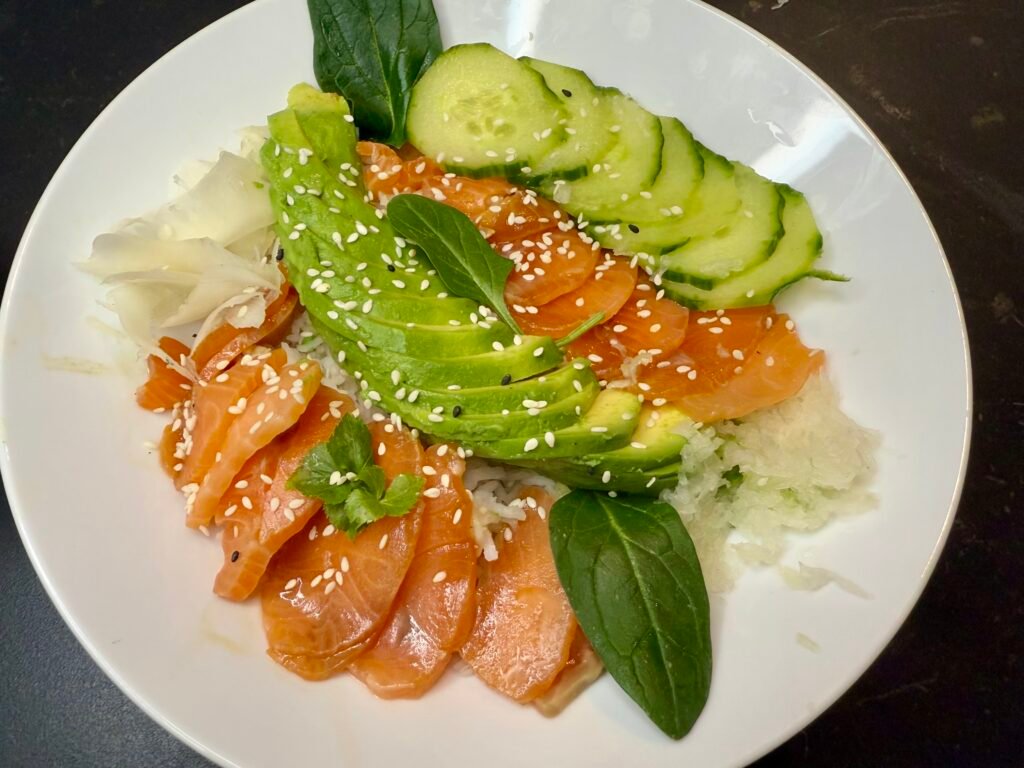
(440, 576)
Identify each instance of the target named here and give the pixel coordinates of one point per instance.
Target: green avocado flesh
(446, 365)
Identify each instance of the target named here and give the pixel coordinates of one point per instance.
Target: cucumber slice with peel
(480, 112)
(792, 260)
(587, 127)
(751, 238)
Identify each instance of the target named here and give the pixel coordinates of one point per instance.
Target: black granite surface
(942, 83)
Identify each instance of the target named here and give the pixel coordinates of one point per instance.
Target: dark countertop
(941, 83)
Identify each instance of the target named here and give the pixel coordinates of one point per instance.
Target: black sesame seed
(391, 267)
(280, 254)
(234, 556)
(634, 228)
(567, 92)
(506, 379)
(457, 411)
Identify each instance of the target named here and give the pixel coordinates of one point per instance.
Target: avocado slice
(654, 443)
(606, 426)
(479, 418)
(515, 363)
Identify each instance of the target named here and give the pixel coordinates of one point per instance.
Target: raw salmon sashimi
(216, 406)
(647, 323)
(502, 210)
(436, 606)
(221, 346)
(524, 627)
(547, 267)
(169, 445)
(583, 668)
(325, 596)
(606, 290)
(166, 385)
(731, 364)
(605, 356)
(257, 526)
(386, 173)
(271, 409)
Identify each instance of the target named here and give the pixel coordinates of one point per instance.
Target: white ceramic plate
(104, 528)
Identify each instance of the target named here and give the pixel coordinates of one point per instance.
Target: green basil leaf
(631, 574)
(372, 52)
(464, 260)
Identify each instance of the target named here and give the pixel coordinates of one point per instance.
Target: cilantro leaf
(350, 446)
(355, 491)
(315, 475)
(402, 494)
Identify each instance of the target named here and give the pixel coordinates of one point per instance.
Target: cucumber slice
(588, 137)
(792, 260)
(750, 239)
(480, 112)
(682, 170)
(631, 165)
(708, 210)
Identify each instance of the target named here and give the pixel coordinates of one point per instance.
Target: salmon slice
(386, 173)
(271, 410)
(584, 668)
(165, 387)
(647, 323)
(547, 267)
(216, 406)
(222, 345)
(168, 448)
(502, 211)
(777, 369)
(434, 612)
(605, 357)
(325, 596)
(732, 363)
(524, 626)
(607, 290)
(261, 525)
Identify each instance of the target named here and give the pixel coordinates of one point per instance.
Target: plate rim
(154, 713)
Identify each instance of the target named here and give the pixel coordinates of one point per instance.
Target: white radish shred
(801, 464)
(202, 256)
